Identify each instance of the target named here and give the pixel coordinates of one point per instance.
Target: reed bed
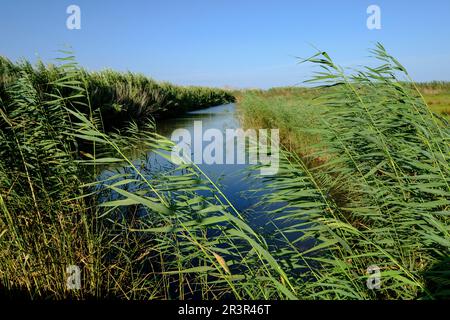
(58, 210)
(71, 194)
(120, 97)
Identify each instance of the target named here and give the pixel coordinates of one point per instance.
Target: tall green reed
(382, 197)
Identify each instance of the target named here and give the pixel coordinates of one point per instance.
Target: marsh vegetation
(363, 181)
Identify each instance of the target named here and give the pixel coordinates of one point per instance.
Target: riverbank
(60, 126)
(293, 109)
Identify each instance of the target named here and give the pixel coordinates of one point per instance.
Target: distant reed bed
(120, 97)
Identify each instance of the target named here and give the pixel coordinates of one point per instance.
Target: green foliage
(294, 111)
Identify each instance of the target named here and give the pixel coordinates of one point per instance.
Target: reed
(75, 192)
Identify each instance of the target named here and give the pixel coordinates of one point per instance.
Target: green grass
(439, 103)
(364, 180)
(294, 111)
(437, 96)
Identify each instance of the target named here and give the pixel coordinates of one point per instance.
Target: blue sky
(245, 43)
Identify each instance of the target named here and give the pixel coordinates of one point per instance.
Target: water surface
(239, 182)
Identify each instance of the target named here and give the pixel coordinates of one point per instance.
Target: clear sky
(238, 43)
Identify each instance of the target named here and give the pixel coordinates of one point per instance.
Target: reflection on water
(235, 180)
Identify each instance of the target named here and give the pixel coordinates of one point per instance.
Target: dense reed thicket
(71, 194)
(381, 199)
(120, 97)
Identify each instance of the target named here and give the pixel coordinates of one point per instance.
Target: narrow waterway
(239, 182)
